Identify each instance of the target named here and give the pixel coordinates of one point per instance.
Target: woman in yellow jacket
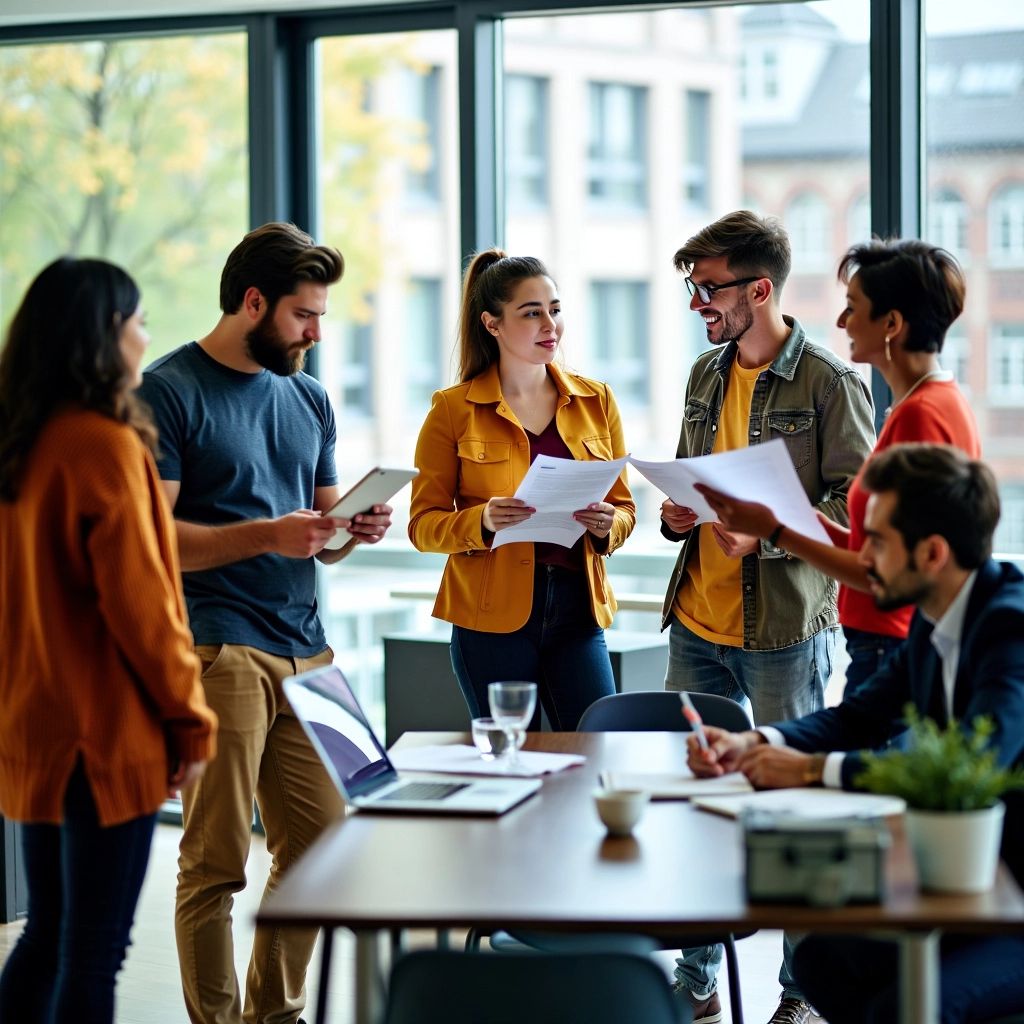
(521, 611)
(101, 707)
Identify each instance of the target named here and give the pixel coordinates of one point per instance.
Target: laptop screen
(323, 701)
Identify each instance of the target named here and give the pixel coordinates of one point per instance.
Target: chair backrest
(659, 711)
(530, 988)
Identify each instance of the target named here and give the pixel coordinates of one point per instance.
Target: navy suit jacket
(989, 681)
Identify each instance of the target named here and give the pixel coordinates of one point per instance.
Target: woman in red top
(901, 298)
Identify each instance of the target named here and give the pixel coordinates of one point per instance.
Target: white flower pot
(956, 851)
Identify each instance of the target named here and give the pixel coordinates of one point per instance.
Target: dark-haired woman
(101, 711)
(902, 296)
(520, 611)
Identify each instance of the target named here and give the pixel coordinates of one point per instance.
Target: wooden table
(548, 864)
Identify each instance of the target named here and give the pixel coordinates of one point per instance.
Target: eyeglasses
(705, 291)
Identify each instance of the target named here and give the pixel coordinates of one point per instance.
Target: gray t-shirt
(244, 446)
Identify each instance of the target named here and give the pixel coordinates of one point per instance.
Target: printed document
(556, 488)
(763, 473)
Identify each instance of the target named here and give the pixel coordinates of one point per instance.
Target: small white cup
(620, 809)
(490, 738)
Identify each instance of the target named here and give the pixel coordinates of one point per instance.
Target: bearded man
(247, 461)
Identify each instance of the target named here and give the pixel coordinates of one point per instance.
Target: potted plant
(951, 783)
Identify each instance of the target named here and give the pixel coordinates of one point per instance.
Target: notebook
(359, 766)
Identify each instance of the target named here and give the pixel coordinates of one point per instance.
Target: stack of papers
(459, 759)
(676, 785)
(805, 803)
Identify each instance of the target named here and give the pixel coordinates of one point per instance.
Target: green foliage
(949, 769)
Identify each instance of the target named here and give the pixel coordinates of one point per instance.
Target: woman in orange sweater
(518, 611)
(101, 710)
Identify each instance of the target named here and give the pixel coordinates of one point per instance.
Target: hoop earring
(888, 353)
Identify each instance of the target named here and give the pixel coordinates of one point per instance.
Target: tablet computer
(378, 487)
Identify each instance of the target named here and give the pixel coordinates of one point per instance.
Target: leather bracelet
(773, 537)
(814, 774)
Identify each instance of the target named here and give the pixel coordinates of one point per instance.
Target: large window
(947, 221)
(422, 360)
(133, 150)
(1006, 226)
(697, 155)
(1007, 381)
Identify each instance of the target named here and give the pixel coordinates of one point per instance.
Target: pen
(691, 714)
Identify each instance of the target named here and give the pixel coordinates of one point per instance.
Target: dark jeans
(854, 981)
(560, 648)
(867, 653)
(83, 885)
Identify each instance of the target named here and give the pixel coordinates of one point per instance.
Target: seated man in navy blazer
(929, 526)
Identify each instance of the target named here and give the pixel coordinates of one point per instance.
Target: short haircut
(752, 246)
(922, 281)
(939, 490)
(276, 258)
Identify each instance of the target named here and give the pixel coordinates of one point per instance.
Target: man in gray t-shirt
(247, 461)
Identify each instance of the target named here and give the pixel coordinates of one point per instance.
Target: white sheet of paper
(680, 785)
(459, 759)
(763, 473)
(556, 488)
(805, 803)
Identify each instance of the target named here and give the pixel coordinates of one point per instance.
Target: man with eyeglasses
(746, 620)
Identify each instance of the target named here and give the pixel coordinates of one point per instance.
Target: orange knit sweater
(96, 657)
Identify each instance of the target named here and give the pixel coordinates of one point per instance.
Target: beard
(267, 347)
(733, 324)
(896, 594)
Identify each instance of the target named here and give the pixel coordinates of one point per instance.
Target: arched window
(1006, 225)
(807, 220)
(947, 221)
(858, 220)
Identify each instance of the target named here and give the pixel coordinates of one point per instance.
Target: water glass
(512, 707)
(489, 737)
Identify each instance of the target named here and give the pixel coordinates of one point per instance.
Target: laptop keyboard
(424, 791)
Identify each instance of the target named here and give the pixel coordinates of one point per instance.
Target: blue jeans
(851, 979)
(83, 884)
(780, 685)
(867, 653)
(560, 648)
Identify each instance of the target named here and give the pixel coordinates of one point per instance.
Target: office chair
(660, 711)
(643, 711)
(539, 988)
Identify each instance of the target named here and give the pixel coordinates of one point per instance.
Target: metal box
(824, 862)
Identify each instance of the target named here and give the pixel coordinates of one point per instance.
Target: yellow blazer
(472, 448)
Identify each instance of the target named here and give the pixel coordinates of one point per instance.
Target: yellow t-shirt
(709, 601)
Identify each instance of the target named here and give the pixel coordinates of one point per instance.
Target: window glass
(526, 140)
(640, 163)
(423, 340)
(617, 165)
(974, 140)
(619, 319)
(132, 150)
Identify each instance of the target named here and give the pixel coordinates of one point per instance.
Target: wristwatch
(814, 773)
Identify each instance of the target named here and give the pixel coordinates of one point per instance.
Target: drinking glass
(512, 706)
(490, 738)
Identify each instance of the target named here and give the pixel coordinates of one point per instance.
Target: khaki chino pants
(262, 752)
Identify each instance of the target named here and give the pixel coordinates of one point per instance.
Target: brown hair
(751, 245)
(63, 347)
(939, 490)
(490, 279)
(275, 258)
(922, 281)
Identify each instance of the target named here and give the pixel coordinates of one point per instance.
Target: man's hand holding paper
(568, 498)
(757, 480)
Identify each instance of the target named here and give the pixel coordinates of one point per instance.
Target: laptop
(358, 764)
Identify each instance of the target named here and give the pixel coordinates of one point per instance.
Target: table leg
(369, 1004)
(327, 935)
(919, 977)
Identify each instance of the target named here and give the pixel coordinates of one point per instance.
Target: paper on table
(556, 488)
(459, 759)
(805, 803)
(761, 472)
(676, 785)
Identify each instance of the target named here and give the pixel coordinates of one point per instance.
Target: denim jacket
(821, 408)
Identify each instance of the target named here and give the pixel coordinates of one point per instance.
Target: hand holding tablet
(378, 487)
